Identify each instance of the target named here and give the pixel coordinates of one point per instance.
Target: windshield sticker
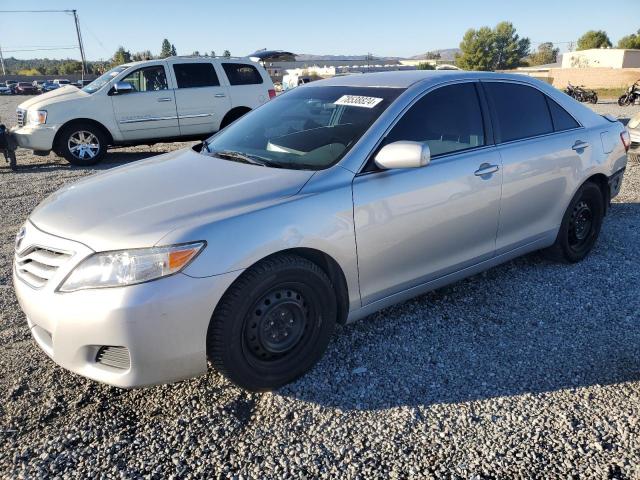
(358, 101)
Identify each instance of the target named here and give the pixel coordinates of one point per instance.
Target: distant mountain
(445, 54)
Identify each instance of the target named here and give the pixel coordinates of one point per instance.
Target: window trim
(178, 87)
(525, 139)
(486, 119)
(166, 77)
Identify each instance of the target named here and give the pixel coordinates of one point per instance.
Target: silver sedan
(336, 199)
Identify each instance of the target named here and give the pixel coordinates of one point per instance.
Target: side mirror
(403, 154)
(121, 87)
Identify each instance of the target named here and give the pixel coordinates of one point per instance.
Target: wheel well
(232, 115)
(333, 271)
(83, 120)
(602, 182)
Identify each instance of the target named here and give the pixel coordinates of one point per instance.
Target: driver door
(149, 111)
(415, 225)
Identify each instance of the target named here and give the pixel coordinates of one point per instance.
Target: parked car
(81, 83)
(143, 102)
(38, 84)
(12, 85)
(49, 86)
(62, 81)
(4, 90)
(25, 88)
(634, 134)
(336, 199)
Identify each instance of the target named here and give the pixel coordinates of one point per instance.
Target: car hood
(136, 205)
(68, 92)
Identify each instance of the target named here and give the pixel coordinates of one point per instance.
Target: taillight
(626, 140)
(272, 94)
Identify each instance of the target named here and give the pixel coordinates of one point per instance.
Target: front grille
(36, 265)
(116, 357)
(22, 116)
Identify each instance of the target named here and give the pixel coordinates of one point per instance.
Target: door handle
(486, 169)
(164, 99)
(219, 95)
(579, 145)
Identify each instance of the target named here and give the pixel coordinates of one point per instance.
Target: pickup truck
(175, 98)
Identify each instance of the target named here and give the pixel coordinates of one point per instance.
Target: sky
(333, 27)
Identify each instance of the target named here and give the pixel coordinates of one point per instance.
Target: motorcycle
(581, 94)
(631, 95)
(8, 146)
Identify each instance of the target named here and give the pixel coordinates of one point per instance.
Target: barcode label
(358, 101)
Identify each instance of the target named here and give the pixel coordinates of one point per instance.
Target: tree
(545, 54)
(213, 53)
(425, 66)
(165, 50)
(173, 50)
(69, 67)
(630, 41)
(432, 56)
(144, 55)
(196, 53)
(121, 56)
(498, 49)
(594, 39)
(226, 54)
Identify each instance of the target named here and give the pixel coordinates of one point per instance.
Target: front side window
(520, 111)
(449, 119)
(242, 74)
(191, 75)
(307, 128)
(147, 79)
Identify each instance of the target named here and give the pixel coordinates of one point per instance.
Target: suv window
(242, 74)
(190, 75)
(561, 119)
(448, 119)
(147, 79)
(520, 111)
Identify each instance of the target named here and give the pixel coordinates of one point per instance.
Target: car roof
(406, 78)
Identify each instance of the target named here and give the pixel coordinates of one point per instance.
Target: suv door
(202, 102)
(150, 110)
(416, 225)
(539, 143)
(246, 85)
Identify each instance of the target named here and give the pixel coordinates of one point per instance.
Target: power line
(37, 49)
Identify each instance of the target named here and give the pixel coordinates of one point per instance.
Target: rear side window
(520, 111)
(448, 119)
(190, 75)
(242, 74)
(561, 119)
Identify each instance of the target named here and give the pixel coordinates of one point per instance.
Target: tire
(85, 154)
(580, 225)
(623, 101)
(594, 98)
(242, 341)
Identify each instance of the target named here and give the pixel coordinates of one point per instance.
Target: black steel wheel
(273, 324)
(580, 225)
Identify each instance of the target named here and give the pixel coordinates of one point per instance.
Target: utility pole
(4, 71)
(84, 61)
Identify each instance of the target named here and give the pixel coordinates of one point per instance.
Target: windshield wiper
(246, 158)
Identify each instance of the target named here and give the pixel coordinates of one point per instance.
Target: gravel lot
(529, 370)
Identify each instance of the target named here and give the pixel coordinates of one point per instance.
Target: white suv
(142, 102)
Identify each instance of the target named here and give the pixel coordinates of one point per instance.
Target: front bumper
(162, 324)
(35, 137)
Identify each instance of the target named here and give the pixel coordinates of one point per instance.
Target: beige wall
(594, 77)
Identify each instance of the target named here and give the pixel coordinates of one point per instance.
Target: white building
(602, 57)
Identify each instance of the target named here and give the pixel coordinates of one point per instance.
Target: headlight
(128, 267)
(634, 122)
(36, 117)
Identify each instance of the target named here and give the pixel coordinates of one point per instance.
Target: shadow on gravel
(527, 327)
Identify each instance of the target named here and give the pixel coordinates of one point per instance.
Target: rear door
(542, 147)
(247, 86)
(150, 110)
(201, 100)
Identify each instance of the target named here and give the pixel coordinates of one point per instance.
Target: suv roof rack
(209, 56)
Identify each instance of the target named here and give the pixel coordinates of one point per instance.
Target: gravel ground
(530, 370)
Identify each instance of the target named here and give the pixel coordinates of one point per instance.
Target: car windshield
(306, 128)
(103, 79)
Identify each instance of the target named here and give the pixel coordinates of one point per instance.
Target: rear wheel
(594, 98)
(273, 324)
(580, 225)
(82, 144)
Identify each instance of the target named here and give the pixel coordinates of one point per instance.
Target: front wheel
(273, 324)
(624, 100)
(82, 144)
(580, 225)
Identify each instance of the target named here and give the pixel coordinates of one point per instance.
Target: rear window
(521, 111)
(190, 75)
(561, 119)
(242, 74)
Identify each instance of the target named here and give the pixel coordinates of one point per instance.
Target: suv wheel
(580, 225)
(273, 324)
(82, 144)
